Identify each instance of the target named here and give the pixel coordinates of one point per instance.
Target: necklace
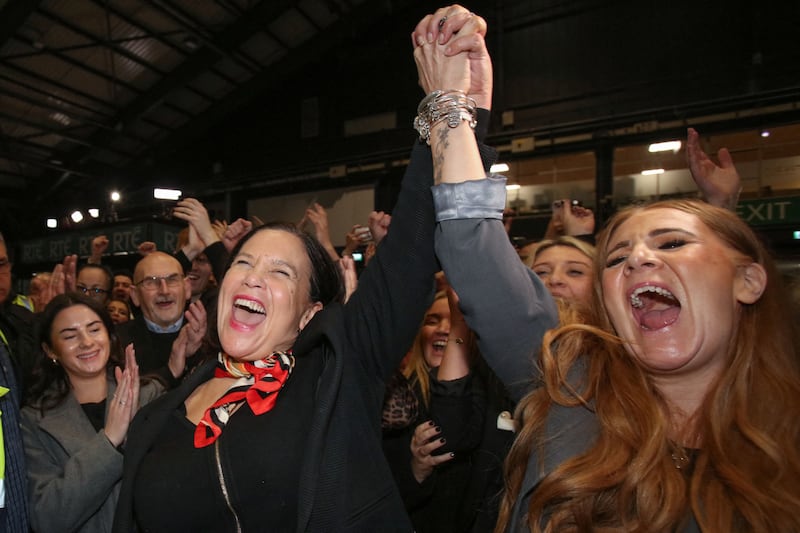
(680, 458)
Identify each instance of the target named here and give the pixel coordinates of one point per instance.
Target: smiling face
(566, 272)
(264, 297)
(122, 287)
(164, 303)
(434, 331)
(672, 289)
(80, 342)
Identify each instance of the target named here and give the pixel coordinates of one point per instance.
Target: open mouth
(654, 307)
(250, 306)
(439, 345)
(248, 312)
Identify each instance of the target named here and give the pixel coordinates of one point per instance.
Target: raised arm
(719, 184)
(503, 302)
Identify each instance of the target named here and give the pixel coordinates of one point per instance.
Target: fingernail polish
(438, 429)
(442, 440)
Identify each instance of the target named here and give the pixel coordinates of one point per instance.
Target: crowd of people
(641, 378)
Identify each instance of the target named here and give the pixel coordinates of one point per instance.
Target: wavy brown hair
(745, 474)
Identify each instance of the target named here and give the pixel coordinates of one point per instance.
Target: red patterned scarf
(257, 383)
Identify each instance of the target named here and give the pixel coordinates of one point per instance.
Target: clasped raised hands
(450, 53)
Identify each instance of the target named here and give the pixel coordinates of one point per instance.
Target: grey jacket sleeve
(65, 490)
(503, 301)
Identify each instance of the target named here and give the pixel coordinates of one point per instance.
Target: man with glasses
(161, 292)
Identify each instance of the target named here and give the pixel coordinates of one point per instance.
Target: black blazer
(345, 483)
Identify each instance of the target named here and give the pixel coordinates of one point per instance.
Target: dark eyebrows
(72, 329)
(274, 261)
(281, 262)
(655, 233)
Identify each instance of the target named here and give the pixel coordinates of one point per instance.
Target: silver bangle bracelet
(454, 106)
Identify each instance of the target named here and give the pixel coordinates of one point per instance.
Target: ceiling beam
(14, 15)
(197, 63)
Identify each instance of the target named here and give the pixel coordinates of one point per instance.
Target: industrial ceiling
(230, 95)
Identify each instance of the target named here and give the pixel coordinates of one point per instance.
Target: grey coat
(74, 472)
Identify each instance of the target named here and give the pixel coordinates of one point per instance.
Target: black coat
(345, 483)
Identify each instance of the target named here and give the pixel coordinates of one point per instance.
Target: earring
(55, 361)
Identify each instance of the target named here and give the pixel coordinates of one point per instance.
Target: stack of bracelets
(452, 106)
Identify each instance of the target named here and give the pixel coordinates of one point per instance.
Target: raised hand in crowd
(576, 219)
(62, 278)
(351, 241)
(189, 339)
(201, 231)
(348, 269)
(146, 248)
(99, 247)
(126, 399)
(719, 184)
(569, 218)
(378, 223)
(318, 217)
(234, 232)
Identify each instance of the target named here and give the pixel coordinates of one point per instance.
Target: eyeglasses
(152, 283)
(5, 265)
(93, 291)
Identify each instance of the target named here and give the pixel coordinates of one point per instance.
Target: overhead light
(61, 118)
(115, 197)
(512, 186)
(52, 223)
(498, 168)
(652, 171)
(167, 194)
(94, 212)
(765, 133)
(665, 146)
(76, 216)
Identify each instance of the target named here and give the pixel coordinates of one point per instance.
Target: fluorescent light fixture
(52, 223)
(512, 187)
(652, 171)
(498, 168)
(76, 216)
(665, 146)
(166, 194)
(94, 212)
(115, 197)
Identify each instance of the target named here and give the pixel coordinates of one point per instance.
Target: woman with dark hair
(674, 406)
(282, 431)
(76, 417)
